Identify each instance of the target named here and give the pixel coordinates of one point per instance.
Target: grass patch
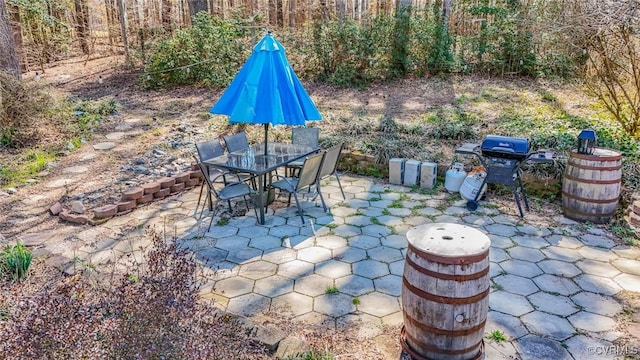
(33, 162)
(332, 290)
(497, 336)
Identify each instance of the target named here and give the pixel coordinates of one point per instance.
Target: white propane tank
(471, 186)
(454, 178)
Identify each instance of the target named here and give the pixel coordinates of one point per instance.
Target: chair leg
(340, 185)
(255, 211)
(198, 203)
(324, 206)
(295, 195)
(289, 201)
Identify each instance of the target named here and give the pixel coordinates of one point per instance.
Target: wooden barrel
(591, 185)
(445, 292)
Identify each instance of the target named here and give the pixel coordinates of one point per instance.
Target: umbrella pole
(266, 130)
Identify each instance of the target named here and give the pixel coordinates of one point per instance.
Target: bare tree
(82, 24)
(8, 56)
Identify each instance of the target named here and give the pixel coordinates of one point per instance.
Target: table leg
(260, 201)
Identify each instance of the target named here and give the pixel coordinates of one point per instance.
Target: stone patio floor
(553, 280)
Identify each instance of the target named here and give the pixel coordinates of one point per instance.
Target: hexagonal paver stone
(217, 232)
(284, 230)
(357, 203)
(397, 268)
(244, 255)
(395, 241)
(596, 303)
(249, 305)
(556, 284)
(273, 286)
(389, 284)
(343, 211)
(533, 347)
(521, 268)
(349, 255)
(357, 220)
(266, 242)
(370, 269)
(292, 303)
(385, 254)
(253, 232)
(234, 286)
(333, 269)
(548, 325)
(354, 285)
(628, 266)
(585, 347)
(511, 326)
(560, 268)
(598, 241)
(279, 255)
(295, 269)
(378, 304)
(597, 254)
(501, 242)
(592, 322)
(312, 285)
(534, 242)
(524, 253)
(347, 231)
(211, 255)
(628, 282)
(314, 254)
(597, 268)
(331, 242)
(508, 303)
(497, 255)
(516, 284)
(258, 269)
(364, 242)
(501, 229)
(562, 254)
(553, 304)
(376, 230)
(597, 284)
(334, 304)
(564, 241)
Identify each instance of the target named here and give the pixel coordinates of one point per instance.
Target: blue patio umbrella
(266, 91)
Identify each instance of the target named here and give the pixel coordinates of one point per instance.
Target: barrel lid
(448, 240)
(600, 154)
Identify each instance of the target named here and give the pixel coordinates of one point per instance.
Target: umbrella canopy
(266, 91)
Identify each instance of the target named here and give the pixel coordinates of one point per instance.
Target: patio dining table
(254, 161)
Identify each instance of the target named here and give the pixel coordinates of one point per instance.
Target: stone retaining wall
(131, 198)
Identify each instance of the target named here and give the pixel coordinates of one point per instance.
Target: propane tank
(454, 178)
(471, 186)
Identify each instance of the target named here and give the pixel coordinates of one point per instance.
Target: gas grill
(502, 157)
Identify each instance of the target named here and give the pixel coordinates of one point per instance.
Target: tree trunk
(8, 56)
(82, 24)
(123, 29)
(195, 6)
(16, 25)
(166, 15)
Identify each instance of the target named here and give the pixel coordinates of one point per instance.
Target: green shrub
(15, 261)
(209, 53)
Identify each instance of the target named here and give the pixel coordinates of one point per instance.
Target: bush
(209, 53)
(15, 261)
(150, 313)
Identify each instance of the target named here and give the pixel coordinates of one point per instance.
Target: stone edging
(132, 198)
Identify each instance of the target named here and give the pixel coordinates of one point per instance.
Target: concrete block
(428, 175)
(396, 169)
(411, 172)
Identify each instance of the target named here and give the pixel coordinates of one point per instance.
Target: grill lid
(506, 147)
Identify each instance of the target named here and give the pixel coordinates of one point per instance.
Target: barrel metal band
(602, 168)
(587, 214)
(585, 181)
(590, 201)
(438, 331)
(596, 157)
(444, 299)
(469, 259)
(442, 276)
(432, 348)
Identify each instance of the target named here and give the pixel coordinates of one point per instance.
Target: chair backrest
(330, 161)
(305, 136)
(309, 171)
(236, 142)
(207, 178)
(209, 149)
